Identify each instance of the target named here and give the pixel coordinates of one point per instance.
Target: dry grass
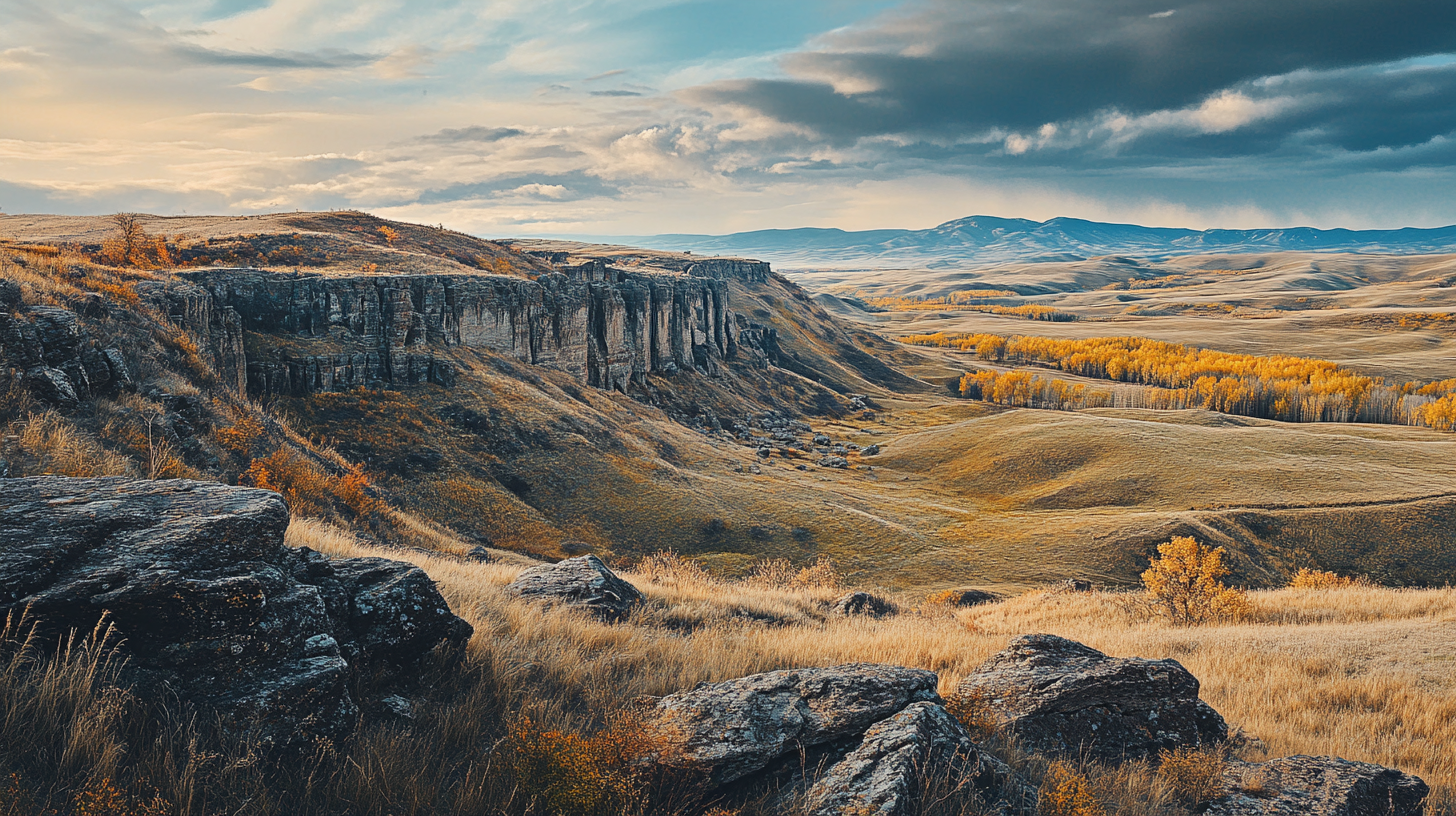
(52, 444)
(1362, 673)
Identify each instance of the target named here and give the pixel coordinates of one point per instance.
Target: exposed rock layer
(209, 601)
(1065, 699)
(882, 775)
(603, 325)
(731, 729)
(53, 353)
(1318, 786)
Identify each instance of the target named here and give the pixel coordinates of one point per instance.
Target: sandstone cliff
(289, 333)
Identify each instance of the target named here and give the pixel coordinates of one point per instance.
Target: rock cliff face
(603, 325)
(54, 354)
(210, 603)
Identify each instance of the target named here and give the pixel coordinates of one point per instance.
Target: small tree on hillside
(1185, 581)
(130, 245)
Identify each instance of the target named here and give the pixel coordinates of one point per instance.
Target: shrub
(1193, 775)
(569, 774)
(1319, 579)
(1066, 792)
(780, 573)
(1185, 583)
(670, 568)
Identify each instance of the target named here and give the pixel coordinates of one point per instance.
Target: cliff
(290, 333)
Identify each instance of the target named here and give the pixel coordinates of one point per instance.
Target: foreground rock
(884, 775)
(1318, 786)
(863, 603)
(1065, 699)
(582, 581)
(211, 603)
(729, 730)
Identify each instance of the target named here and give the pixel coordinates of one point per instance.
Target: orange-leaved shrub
(570, 774)
(1067, 792)
(1185, 582)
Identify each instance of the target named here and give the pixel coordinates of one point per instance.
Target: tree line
(1280, 387)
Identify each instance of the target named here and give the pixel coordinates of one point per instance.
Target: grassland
(1358, 672)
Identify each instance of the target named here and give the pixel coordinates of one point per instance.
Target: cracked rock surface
(881, 777)
(1318, 786)
(582, 581)
(1065, 699)
(731, 729)
(210, 602)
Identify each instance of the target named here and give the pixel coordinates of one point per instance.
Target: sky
(635, 117)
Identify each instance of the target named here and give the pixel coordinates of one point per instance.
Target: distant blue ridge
(987, 239)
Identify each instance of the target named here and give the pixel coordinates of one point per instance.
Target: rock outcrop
(1318, 786)
(582, 581)
(863, 603)
(50, 350)
(211, 603)
(882, 775)
(1062, 698)
(728, 730)
(605, 326)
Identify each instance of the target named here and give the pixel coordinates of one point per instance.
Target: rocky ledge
(1062, 698)
(209, 602)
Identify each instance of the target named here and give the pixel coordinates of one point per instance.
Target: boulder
(883, 775)
(1065, 699)
(970, 597)
(208, 602)
(834, 462)
(863, 603)
(870, 450)
(583, 581)
(1318, 786)
(731, 729)
(9, 294)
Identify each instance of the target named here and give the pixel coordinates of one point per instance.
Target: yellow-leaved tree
(1185, 581)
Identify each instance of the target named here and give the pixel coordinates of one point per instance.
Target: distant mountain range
(982, 239)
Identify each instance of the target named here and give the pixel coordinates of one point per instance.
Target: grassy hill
(527, 459)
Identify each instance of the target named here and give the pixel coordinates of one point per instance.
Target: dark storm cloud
(951, 67)
(474, 133)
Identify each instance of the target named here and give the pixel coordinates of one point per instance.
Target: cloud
(615, 93)
(950, 68)
(474, 133)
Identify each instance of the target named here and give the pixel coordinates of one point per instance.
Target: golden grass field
(1363, 673)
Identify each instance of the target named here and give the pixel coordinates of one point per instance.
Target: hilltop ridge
(982, 239)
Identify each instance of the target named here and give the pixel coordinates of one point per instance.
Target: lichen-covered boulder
(882, 776)
(863, 603)
(731, 729)
(1318, 786)
(210, 603)
(582, 581)
(1062, 698)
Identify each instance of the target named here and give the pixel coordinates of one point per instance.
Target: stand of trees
(1281, 387)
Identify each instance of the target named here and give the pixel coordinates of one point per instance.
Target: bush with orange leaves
(1066, 792)
(310, 489)
(1185, 582)
(571, 774)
